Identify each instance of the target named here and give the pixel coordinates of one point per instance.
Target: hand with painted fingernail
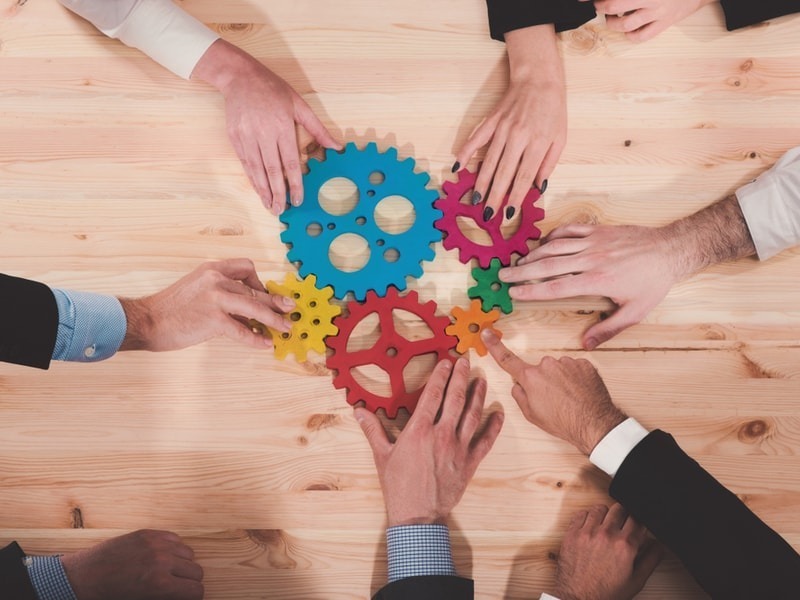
(641, 20)
(216, 299)
(527, 130)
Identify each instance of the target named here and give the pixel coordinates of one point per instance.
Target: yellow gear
(311, 317)
(469, 324)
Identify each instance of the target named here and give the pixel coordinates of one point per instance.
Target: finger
(306, 117)
(507, 167)
(569, 230)
(619, 321)
(523, 182)
(486, 173)
(186, 569)
(555, 289)
(251, 307)
(629, 22)
(432, 395)
(183, 589)
(596, 515)
(273, 302)
(554, 266)
(560, 247)
(374, 432)
(254, 167)
(482, 445)
(183, 551)
(647, 561)
(272, 166)
(240, 332)
(549, 162)
(471, 419)
(290, 157)
(456, 395)
(634, 530)
(520, 396)
(240, 269)
(505, 358)
(616, 7)
(479, 138)
(616, 516)
(647, 32)
(578, 520)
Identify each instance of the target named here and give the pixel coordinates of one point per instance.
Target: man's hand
(143, 564)
(642, 20)
(527, 130)
(426, 471)
(565, 397)
(217, 298)
(262, 110)
(605, 555)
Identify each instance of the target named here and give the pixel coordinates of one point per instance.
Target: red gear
(501, 248)
(392, 352)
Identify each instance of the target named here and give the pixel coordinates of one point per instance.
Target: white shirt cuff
(771, 206)
(614, 448)
(546, 596)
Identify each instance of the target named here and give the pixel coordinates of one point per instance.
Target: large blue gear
(310, 229)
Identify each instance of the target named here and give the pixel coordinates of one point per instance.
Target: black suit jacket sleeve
(437, 587)
(507, 15)
(14, 580)
(28, 322)
(741, 13)
(728, 549)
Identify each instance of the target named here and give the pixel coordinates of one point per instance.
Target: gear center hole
(495, 287)
(474, 328)
(349, 252)
(395, 214)
(391, 352)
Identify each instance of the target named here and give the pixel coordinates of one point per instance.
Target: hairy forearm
(533, 53)
(140, 324)
(715, 234)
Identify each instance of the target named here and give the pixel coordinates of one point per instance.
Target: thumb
(373, 430)
(650, 555)
(307, 118)
(623, 317)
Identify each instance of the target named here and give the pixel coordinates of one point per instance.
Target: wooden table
(117, 177)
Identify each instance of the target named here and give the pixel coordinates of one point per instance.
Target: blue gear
(309, 245)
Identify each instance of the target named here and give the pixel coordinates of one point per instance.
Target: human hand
(527, 130)
(633, 266)
(217, 298)
(262, 110)
(566, 397)
(425, 472)
(144, 564)
(605, 555)
(641, 20)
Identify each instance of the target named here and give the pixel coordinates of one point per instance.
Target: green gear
(491, 291)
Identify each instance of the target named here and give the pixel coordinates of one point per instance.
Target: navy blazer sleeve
(439, 587)
(28, 322)
(730, 551)
(14, 580)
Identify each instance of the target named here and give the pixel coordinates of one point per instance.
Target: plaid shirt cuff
(91, 327)
(49, 578)
(417, 550)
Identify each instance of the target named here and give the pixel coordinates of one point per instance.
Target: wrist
(222, 64)
(533, 56)
(140, 324)
(601, 427)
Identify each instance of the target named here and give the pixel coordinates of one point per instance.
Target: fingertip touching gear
(311, 317)
(501, 248)
(492, 292)
(469, 324)
(310, 229)
(391, 352)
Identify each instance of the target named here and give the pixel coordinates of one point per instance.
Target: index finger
(508, 361)
(433, 394)
(241, 269)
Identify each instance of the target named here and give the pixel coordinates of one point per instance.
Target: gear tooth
(391, 152)
(423, 178)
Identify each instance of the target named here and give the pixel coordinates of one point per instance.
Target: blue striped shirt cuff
(417, 550)
(49, 578)
(91, 327)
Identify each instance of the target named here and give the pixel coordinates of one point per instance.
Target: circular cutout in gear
(378, 273)
(391, 352)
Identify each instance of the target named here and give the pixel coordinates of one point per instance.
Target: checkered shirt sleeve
(91, 327)
(49, 578)
(417, 550)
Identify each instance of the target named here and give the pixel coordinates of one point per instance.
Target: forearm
(140, 324)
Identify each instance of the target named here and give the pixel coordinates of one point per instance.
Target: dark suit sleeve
(14, 580)
(728, 549)
(28, 322)
(741, 13)
(439, 587)
(507, 15)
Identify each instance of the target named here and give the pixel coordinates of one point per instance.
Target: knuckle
(274, 170)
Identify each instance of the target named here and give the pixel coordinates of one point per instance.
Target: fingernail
(487, 213)
(476, 198)
(488, 335)
(287, 302)
(543, 189)
(510, 210)
(297, 201)
(456, 167)
(462, 362)
(501, 274)
(591, 344)
(357, 414)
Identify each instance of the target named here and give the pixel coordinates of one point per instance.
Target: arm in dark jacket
(28, 322)
(436, 587)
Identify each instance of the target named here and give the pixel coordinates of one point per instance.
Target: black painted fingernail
(543, 189)
(456, 167)
(476, 198)
(487, 213)
(510, 210)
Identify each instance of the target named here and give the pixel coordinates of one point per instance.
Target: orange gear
(312, 317)
(469, 324)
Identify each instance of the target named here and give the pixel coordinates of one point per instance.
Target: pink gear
(392, 352)
(501, 248)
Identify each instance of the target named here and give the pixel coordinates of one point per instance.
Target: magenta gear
(501, 248)
(391, 352)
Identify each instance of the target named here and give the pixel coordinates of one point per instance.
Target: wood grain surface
(117, 177)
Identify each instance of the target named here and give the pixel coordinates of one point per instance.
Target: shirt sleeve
(418, 550)
(91, 327)
(48, 578)
(546, 596)
(614, 448)
(159, 28)
(771, 206)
